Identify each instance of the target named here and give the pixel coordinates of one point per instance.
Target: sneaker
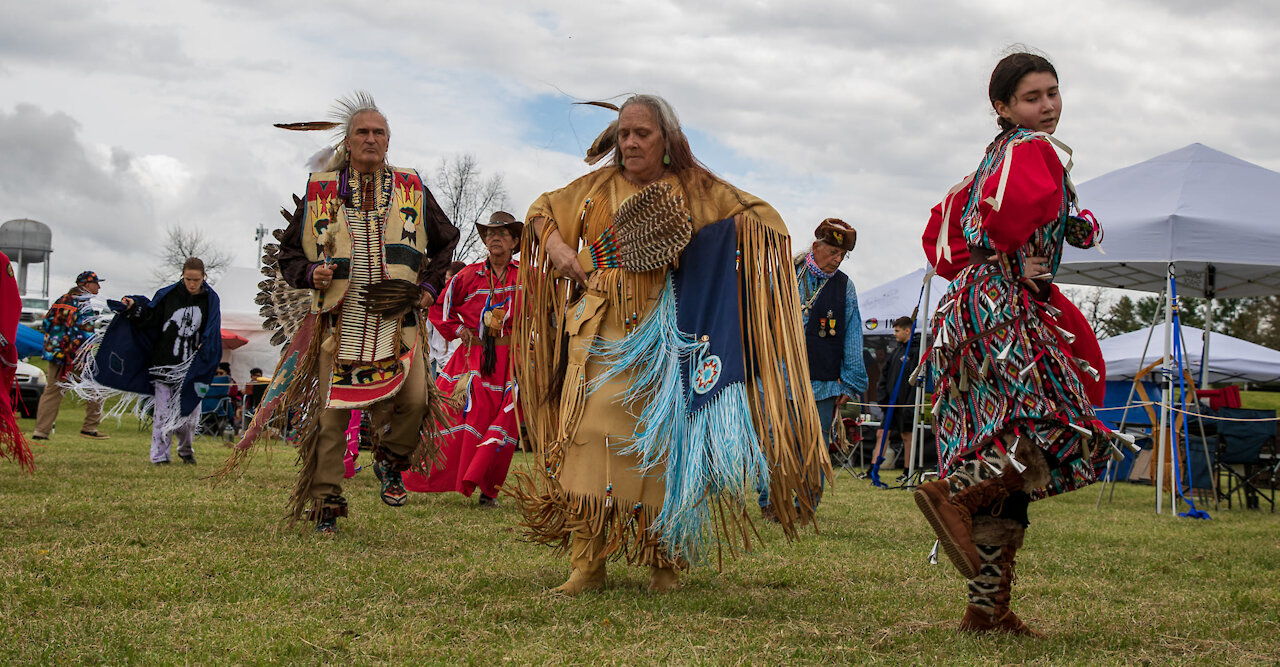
(188, 459)
(94, 435)
(327, 526)
(393, 492)
(39, 436)
(486, 501)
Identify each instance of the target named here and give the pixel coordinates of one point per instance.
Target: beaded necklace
(810, 265)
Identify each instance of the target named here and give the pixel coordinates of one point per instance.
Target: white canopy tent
(1211, 214)
(883, 304)
(236, 289)
(1233, 360)
(1196, 219)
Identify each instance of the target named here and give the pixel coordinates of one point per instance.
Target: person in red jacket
(1015, 364)
(479, 308)
(13, 444)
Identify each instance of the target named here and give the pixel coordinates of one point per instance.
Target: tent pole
(922, 380)
(1162, 442)
(1205, 337)
(1204, 441)
(1133, 386)
(1210, 290)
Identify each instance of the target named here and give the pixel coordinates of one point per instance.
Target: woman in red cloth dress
(479, 307)
(1016, 366)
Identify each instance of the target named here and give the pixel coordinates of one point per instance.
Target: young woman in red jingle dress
(1015, 364)
(485, 431)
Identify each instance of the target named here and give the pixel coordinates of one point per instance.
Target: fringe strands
(141, 406)
(709, 452)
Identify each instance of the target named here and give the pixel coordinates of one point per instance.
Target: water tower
(28, 242)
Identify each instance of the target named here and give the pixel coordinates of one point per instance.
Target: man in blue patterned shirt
(67, 325)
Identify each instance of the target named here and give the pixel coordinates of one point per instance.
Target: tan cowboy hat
(502, 219)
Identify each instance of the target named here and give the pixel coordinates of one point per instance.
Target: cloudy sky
(119, 119)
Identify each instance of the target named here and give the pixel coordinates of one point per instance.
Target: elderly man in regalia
(372, 245)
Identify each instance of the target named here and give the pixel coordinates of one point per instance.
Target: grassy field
(106, 559)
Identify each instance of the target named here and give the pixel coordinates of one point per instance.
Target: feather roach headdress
(343, 110)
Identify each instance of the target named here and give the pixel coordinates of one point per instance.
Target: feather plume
(344, 108)
(307, 126)
(649, 231)
(603, 105)
(603, 145)
(391, 298)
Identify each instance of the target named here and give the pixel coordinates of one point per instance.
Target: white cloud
(865, 111)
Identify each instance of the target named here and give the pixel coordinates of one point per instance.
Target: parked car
(33, 310)
(29, 383)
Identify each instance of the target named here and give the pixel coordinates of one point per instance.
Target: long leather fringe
(784, 415)
(553, 516)
(773, 337)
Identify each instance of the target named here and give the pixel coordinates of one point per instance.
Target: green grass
(106, 559)
(1260, 400)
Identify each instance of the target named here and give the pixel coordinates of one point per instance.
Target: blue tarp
(30, 342)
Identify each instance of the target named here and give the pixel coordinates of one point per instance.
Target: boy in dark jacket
(899, 364)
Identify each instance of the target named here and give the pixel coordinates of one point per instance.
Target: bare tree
(1093, 304)
(179, 244)
(467, 197)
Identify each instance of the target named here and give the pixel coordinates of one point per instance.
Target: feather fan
(391, 298)
(649, 231)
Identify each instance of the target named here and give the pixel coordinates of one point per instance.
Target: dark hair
(1006, 76)
(224, 365)
(455, 267)
(903, 322)
(255, 371)
(193, 264)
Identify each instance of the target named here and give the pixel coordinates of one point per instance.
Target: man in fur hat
(364, 228)
(479, 307)
(832, 326)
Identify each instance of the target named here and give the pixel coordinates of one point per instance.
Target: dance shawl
(118, 361)
(703, 358)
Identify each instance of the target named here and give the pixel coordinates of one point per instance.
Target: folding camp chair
(1196, 473)
(1247, 462)
(848, 449)
(216, 409)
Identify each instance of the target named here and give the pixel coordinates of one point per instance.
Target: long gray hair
(675, 143)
